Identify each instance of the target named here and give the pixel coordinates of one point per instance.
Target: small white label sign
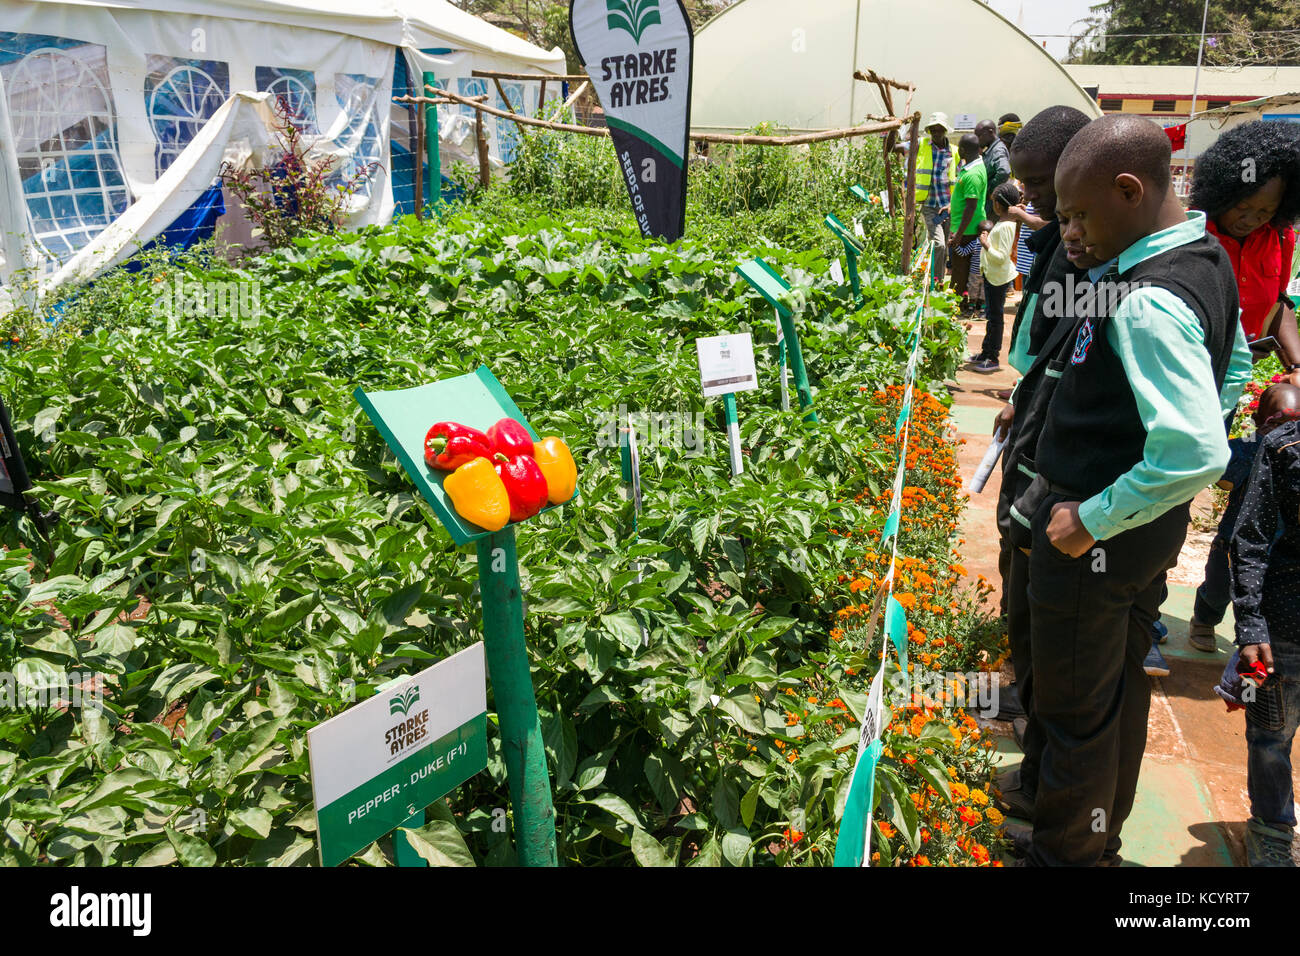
(1294, 287)
(837, 271)
(726, 363)
(964, 121)
(858, 230)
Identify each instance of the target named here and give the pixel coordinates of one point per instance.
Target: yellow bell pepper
(478, 494)
(553, 457)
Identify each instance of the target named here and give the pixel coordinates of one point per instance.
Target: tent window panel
(181, 95)
(470, 86)
(65, 136)
(358, 98)
(296, 92)
(507, 131)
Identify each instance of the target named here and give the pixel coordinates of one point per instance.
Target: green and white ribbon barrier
(853, 842)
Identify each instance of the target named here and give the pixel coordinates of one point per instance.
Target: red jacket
(1262, 263)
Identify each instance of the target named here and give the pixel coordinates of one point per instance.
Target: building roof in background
(1178, 80)
(1257, 108)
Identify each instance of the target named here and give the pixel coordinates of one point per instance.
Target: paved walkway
(1191, 803)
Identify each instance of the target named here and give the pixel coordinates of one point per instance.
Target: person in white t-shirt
(998, 266)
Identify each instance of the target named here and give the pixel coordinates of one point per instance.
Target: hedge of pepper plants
(238, 557)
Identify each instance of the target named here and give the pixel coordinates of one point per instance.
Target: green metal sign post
(852, 251)
(776, 291)
(403, 418)
(512, 689)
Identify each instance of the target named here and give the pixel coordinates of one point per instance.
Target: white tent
(792, 64)
(115, 116)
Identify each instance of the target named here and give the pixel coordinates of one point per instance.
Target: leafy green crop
(238, 557)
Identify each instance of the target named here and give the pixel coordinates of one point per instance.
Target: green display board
(404, 417)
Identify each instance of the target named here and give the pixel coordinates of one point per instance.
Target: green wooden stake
(796, 365)
(431, 145)
(402, 849)
(733, 433)
(512, 689)
(851, 254)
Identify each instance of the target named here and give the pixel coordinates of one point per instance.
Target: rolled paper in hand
(990, 459)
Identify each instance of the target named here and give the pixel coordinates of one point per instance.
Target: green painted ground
(974, 419)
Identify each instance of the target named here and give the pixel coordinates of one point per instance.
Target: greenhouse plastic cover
(792, 64)
(115, 118)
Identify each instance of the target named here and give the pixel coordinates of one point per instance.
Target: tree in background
(1237, 33)
(1269, 36)
(546, 22)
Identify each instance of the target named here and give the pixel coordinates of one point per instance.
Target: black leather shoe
(1021, 838)
(1009, 706)
(1016, 802)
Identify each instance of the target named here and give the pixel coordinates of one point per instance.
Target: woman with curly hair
(1248, 186)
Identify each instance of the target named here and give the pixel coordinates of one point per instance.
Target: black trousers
(1013, 564)
(995, 300)
(1090, 628)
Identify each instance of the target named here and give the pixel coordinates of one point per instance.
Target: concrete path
(1191, 802)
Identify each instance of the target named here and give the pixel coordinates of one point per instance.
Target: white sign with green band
(380, 762)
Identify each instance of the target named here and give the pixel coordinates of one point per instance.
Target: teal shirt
(1161, 345)
(972, 183)
(1019, 356)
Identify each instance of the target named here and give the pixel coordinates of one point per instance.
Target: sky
(1046, 16)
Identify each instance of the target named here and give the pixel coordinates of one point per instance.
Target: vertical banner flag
(638, 55)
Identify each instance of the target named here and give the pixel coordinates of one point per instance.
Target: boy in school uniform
(1034, 155)
(1131, 432)
(1265, 552)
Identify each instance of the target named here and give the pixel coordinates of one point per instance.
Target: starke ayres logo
(632, 15)
(401, 703)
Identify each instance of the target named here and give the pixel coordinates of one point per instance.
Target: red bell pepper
(525, 484)
(510, 438)
(448, 445)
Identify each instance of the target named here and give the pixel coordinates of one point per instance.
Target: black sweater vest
(1093, 432)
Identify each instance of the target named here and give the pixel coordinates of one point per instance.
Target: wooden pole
(888, 147)
(879, 126)
(480, 135)
(543, 77)
(909, 187)
(575, 96)
(883, 126)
